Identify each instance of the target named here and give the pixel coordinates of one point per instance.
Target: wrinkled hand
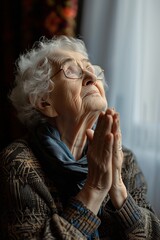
(118, 192)
(100, 154)
(105, 159)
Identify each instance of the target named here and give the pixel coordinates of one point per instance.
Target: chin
(94, 104)
(99, 105)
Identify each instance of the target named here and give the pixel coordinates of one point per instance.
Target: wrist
(118, 195)
(91, 198)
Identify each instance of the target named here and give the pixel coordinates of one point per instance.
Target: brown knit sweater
(31, 207)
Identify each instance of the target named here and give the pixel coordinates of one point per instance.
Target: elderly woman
(69, 177)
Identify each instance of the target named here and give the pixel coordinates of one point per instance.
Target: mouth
(93, 92)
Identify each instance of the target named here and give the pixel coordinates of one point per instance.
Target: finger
(90, 134)
(111, 111)
(117, 145)
(116, 124)
(117, 160)
(116, 130)
(109, 145)
(108, 121)
(99, 130)
(97, 137)
(103, 128)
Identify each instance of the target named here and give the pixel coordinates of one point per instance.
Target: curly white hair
(33, 74)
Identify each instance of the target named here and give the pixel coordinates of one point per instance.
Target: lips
(91, 93)
(90, 90)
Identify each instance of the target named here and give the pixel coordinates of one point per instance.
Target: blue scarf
(57, 161)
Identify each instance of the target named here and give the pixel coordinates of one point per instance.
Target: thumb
(90, 134)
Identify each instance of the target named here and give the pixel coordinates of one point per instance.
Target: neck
(73, 133)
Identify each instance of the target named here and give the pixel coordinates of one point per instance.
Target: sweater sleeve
(29, 210)
(136, 219)
(81, 217)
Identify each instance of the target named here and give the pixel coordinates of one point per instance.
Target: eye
(69, 70)
(73, 71)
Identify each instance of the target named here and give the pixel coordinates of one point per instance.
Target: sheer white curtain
(123, 36)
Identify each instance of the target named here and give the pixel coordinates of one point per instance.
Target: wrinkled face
(76, 97)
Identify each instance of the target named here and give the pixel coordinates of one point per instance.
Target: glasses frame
(61, 68)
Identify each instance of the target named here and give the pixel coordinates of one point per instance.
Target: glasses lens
(72, 71)
(99, 72)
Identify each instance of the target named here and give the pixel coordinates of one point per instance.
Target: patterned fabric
(83, 215)
(31, 207)
(61, 17)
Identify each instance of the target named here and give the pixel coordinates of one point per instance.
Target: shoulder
(18, 161)
(17, 148)
(129, 159)
(130, 163)
(129, 155)
(22, 173)
(131, 172)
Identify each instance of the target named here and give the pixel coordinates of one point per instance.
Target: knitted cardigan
(31, 207)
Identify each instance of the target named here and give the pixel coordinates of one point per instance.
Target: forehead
(60, 56)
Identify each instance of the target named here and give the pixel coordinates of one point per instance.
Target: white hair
(33, 75)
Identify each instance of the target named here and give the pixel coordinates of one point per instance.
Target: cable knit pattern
(31, 208)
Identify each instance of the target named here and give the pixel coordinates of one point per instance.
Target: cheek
(67, 95)
(73, 96)
(71, 91)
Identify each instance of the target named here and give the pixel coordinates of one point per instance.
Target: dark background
(22, 23)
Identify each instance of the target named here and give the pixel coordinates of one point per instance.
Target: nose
(88, 78)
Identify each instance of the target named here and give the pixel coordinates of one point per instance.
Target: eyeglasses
(74, 71)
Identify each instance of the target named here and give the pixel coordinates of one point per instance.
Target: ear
(45, 106)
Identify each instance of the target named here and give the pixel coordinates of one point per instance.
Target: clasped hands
(105, 158)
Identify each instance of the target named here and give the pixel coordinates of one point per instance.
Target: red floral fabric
(60, 17)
